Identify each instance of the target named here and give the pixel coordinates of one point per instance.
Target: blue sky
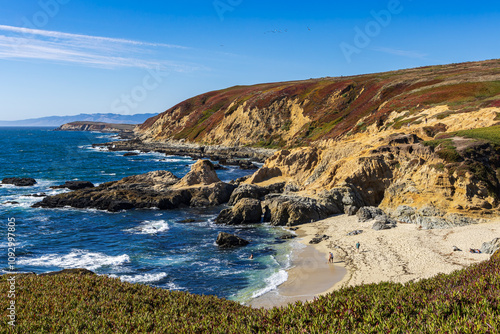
(65, 57)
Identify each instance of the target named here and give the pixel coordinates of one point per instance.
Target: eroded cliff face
(393, 169)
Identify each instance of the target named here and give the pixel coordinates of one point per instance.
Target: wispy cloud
(403, 53)
(96, 51)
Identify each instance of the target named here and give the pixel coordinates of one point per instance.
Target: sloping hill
(290, 114)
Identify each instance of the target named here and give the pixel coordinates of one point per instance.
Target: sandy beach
(405, 253)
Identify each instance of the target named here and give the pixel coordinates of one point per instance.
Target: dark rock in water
(38, 195)
(226, 240)
(11, 202)
(77, 271)
(159, 189)
(246, 211)
(367, 213)
(20, 182)
(74, 185)
(219, 167)
(491, 247)
(189, 220)
(130, 154)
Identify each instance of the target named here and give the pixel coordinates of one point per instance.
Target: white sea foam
(76, 259)
(146, 278)
(273, 282)
(150, 227)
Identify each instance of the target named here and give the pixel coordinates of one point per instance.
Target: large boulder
(292, 210)
(202, 173)
(254, 191)
(226, 240)
(491, 247)
(246, 211)
(367, 213)
(345, 197)
(20, 181)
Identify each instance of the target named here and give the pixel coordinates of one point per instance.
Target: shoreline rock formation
(20, 181)
(157, 189)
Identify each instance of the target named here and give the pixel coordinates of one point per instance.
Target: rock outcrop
(226, 240)
(19, 181)
(290, 210)
(74, 185)
(202, 174)
(158, 189)
(491, 247)
(246, 211)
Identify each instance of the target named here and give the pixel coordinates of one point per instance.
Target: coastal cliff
(423, 144)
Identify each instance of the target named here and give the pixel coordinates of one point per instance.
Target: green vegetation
(466, 301)
(444, 148)
(491, 134)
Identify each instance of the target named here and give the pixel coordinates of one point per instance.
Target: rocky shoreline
(224, 154)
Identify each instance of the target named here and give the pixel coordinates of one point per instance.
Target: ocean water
(139, 246)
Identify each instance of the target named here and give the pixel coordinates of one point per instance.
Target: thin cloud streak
(23, 43)
(64, 35)
(403, 53)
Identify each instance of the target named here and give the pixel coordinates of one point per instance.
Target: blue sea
(139, 246)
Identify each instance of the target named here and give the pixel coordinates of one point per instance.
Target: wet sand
(309, 276)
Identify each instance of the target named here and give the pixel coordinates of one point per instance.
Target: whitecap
(150, 227)
(145, 278)
(76, 259)
(273, 282)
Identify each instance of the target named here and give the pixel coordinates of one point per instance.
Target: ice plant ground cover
(466, 301)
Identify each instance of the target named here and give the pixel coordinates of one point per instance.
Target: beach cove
(404, 254)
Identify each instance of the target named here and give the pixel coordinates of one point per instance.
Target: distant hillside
(56, 121)
(96, 126)
(296, 113)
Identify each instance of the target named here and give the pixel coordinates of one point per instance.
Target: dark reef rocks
(158, 189)
(20, 181)
(74, 185)
(226, 240)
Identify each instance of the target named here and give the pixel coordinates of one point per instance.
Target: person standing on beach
(330, 258)
(357, 246)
